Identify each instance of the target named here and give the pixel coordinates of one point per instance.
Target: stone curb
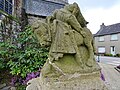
(117, 69)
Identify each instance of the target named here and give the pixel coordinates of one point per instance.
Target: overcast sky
(97, 12)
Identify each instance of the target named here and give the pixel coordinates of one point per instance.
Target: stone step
(6, 88)
(2, 85)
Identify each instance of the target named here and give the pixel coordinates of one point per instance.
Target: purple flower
(102, 76)
(20, 80)
(24, 82)
(13, 81)
(28, 78)
(37, 74)
(33, 75)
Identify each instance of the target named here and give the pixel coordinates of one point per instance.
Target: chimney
(102, 26)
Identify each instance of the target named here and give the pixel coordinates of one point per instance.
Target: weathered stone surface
(70, 41)
(71, 64)
(89, 81)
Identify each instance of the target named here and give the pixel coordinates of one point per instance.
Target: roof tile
(107, 30)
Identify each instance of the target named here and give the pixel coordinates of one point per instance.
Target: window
(101, 38)
(101, 49)
(114, 37)
(6, 6)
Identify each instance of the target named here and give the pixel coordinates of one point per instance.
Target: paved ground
(110, 60)
(112, 76)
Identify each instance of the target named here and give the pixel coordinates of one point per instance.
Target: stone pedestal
(76, 81)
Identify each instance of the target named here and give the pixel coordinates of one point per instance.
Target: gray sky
(97, 12)
(96, 3)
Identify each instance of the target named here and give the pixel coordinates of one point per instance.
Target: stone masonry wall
(59, 1)
(32, 19)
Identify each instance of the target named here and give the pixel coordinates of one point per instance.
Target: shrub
(23, 57)
(108, 55)
(29, 56)
(6, 53)
(117, 55)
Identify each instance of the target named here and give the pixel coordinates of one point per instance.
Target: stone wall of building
(59, 1)
(32, 19)
(20, 5)
(38, 10)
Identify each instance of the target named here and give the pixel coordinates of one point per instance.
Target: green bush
(24, 56)
(108, 54)
(28, 61)
(117, 55)
(2, 64)
(6, 53)
(30, 56)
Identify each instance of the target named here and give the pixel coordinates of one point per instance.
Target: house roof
(41, 7)
(107, 30)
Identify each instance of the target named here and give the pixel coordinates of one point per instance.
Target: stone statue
(71, 45)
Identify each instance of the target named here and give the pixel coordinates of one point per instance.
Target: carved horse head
(42, 32)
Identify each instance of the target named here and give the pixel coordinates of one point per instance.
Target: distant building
(107, 39)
